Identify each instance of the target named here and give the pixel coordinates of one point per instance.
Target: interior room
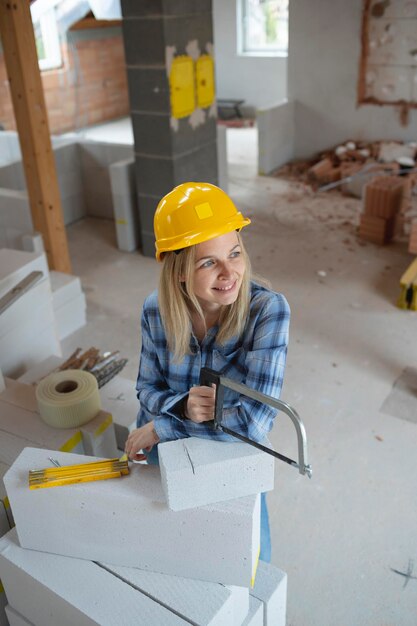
(304, 114)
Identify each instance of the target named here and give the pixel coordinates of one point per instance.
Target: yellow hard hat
(192, 213)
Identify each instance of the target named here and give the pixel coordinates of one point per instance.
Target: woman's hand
(200, 404)
(143, 438)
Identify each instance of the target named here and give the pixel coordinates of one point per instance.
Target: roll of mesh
(68, 399)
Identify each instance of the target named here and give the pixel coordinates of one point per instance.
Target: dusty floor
(341, 535)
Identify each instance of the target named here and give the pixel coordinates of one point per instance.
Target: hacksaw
(209, 377)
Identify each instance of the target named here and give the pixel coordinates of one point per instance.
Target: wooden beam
(18, 40)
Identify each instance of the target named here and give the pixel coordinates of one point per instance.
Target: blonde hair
(177, 301)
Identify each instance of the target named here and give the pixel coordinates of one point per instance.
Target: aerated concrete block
(6, 517)
(103, 521)
(18, 418)
(71, 316)
(40, 370)
(16, 264)
(3, 603)
(33, 242)
(200, 603)
(50, 589)
(99, 438)
(196, 472)
(65, 288)
(15, 619)
(255, 616)
(271, 588)
(118, 397)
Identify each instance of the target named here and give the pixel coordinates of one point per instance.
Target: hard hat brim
(191, 239)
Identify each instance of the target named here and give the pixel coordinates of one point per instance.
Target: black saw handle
(209, 376)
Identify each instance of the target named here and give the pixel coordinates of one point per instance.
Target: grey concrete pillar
(169, 56)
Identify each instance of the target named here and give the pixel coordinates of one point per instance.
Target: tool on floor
(209, 376)
(18, 290)
(408, 284)
(84, 472)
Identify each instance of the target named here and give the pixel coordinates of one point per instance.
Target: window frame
(50, 37)
(242, 50)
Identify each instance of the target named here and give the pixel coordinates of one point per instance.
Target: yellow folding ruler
(84, 472)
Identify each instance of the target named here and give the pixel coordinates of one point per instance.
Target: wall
(89, 89)
(323, 66)
(260, 81)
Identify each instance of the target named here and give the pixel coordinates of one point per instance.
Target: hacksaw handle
(207, 378)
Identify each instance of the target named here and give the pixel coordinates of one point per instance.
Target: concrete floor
(340, 535)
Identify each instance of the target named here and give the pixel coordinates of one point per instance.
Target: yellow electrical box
(182, 86)
(205, 81)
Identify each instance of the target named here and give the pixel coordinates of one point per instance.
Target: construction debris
(349, 159)
(383, 173)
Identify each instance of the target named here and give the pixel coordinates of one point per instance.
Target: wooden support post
(18, 40)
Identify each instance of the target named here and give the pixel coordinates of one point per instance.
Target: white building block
(2, 383)
(241, 597)
(27, 332)
(196, 471)
(71, 316)
(15, 265)
(96, 437)
(50, 590)
(11, 446)
(28, 427)
(33, 242)
(275, 135)
(64, 288)
(15, 619)
(200, 603)
(126, 216)
(23, 347)
(126, 521)
(271, 588)
(40, 370)
(255, 615)
(6, 519)
(3, 603)
(31, 308)
(99, 438)
(118, 397)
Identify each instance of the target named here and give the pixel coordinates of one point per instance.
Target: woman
(206, 313)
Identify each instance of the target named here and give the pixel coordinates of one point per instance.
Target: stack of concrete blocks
(95, 160)
(69, 303)
(195, 564)
(126, 216)
(83, 177)
(382, 202)
(21, 425)
(27, 330)
(117, 397)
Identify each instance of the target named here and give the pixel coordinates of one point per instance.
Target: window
(46, 38)
(263, 27)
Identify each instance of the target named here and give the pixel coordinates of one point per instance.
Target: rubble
(383, 173)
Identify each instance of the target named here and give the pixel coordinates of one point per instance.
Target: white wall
(260, 81)
(323, 65)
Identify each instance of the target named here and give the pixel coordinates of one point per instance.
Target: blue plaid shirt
(257, 359)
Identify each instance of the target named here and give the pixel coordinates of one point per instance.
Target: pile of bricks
(381, 205)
